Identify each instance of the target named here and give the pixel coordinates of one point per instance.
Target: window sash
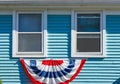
(25, 23)
(41, 33)
(91, 38)
(86, 33)
(88, 23)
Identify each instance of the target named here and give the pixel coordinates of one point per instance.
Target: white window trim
(73, 35)
(15, 35)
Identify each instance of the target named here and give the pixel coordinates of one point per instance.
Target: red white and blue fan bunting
(52, 71)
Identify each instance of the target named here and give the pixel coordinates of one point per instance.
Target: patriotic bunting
(52, 71)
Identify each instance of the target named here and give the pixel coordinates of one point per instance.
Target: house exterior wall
(95, 71)
(59, 35)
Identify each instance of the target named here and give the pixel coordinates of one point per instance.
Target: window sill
(29, 55)
(89, 55)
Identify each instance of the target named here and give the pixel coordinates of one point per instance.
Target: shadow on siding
(23, 77)
(117, 81)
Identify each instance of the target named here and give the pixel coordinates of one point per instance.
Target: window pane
(30, 43)
(29, 22)
(88, 43)
(88, 22)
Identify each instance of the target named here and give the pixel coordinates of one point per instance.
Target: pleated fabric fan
(52, 71)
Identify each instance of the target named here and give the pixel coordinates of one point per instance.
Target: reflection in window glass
(88, 43)
(30, 43)
(29, 22)
(88, 23)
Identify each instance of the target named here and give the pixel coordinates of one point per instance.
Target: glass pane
(88, 43)
(30, 22)
(30, 43)
(88, 23)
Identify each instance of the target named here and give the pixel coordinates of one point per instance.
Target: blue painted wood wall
(95, 71)
(10, 69)
(59, 35)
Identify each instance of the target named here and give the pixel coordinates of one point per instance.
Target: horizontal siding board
(8, 65)
(57, 41)
(58, 56)
(61, 44)
(113, 35)
(57, 34)
(57, 50)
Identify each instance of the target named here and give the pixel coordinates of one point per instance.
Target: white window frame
(15, 35)
(74, 35)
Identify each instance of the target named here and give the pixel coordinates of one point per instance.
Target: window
(29, 35)
(88, 35)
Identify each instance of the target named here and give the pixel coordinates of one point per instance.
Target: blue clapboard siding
(95, 71)
(11, 71)
(59, 31)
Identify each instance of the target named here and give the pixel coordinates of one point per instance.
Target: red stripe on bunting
(52, 62)
(77, 72)
(26, 71)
